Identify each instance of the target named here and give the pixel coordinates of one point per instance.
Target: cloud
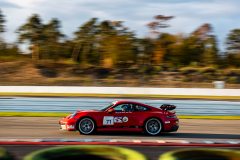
(188, 14)
(4, 4)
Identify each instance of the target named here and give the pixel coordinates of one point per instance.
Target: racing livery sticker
(125, 119)
(118, 119)
(108, 120)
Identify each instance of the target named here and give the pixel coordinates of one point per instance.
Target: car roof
(118, 102)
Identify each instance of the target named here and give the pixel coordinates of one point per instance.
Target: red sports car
(123, 116)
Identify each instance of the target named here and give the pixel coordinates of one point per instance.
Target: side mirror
(111, 111)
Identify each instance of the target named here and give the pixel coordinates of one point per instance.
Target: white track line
(208, 142)
(38, 140)
(160, 141)
(137, 141)
(112, 140)
(88, 140)
(62, 140)
(183, 141)
(231, 142)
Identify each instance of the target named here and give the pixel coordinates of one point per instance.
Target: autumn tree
(157, 53)
(233, 41)
(203, 32)
(206, 43)
(32, 31)
(104, 43)
(163, 48)
(105, 32)
(191, 50)
(118, 44)
(84, 38)
(184, 49)
(210, 51)
(3, 45)
(233, 48)
(146, 46)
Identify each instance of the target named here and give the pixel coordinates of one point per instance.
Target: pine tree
(2, 20)
(32, 31)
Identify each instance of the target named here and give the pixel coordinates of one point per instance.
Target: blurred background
(122, 50)
(121, 43)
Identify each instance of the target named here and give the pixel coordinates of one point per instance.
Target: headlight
(73, 115)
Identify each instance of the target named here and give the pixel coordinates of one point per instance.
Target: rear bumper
(172, 129)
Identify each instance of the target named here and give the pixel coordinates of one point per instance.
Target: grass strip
(119, 95)
(36, 114)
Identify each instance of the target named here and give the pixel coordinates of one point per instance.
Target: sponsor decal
(118, 119)
(108, 120)
(70, 126)
(125, 119)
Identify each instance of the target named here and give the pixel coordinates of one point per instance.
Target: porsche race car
(123, 116)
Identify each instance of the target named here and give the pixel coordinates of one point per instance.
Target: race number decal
(108, 120)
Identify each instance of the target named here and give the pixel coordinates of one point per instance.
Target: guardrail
(120, 90)
(70, 105)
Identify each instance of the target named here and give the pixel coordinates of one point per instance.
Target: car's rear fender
(156, 118)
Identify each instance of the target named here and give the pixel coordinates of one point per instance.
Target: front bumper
(63, 127)
(65, 124)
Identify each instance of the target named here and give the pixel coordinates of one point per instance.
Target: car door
(139, 114)
(121, 119)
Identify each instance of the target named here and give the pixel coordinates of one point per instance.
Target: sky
(223, 15)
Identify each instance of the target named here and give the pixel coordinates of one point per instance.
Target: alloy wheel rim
(153, 126)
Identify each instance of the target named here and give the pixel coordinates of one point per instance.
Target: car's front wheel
(86, 126)
(152, 126)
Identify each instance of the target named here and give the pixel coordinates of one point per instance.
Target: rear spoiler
(168, 107)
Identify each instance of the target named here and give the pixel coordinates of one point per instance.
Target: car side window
(124, 107)
(141, 108)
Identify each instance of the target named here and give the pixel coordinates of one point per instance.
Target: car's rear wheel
(87, 126)
(152, 126)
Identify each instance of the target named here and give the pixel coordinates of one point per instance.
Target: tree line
(111, 44)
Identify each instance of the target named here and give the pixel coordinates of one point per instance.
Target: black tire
(87, 126)
(152, 126)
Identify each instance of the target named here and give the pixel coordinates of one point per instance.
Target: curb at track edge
(119, 143)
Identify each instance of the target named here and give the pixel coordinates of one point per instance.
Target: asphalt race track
(48, 128)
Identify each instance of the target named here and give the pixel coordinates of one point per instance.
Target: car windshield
(105, 107)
